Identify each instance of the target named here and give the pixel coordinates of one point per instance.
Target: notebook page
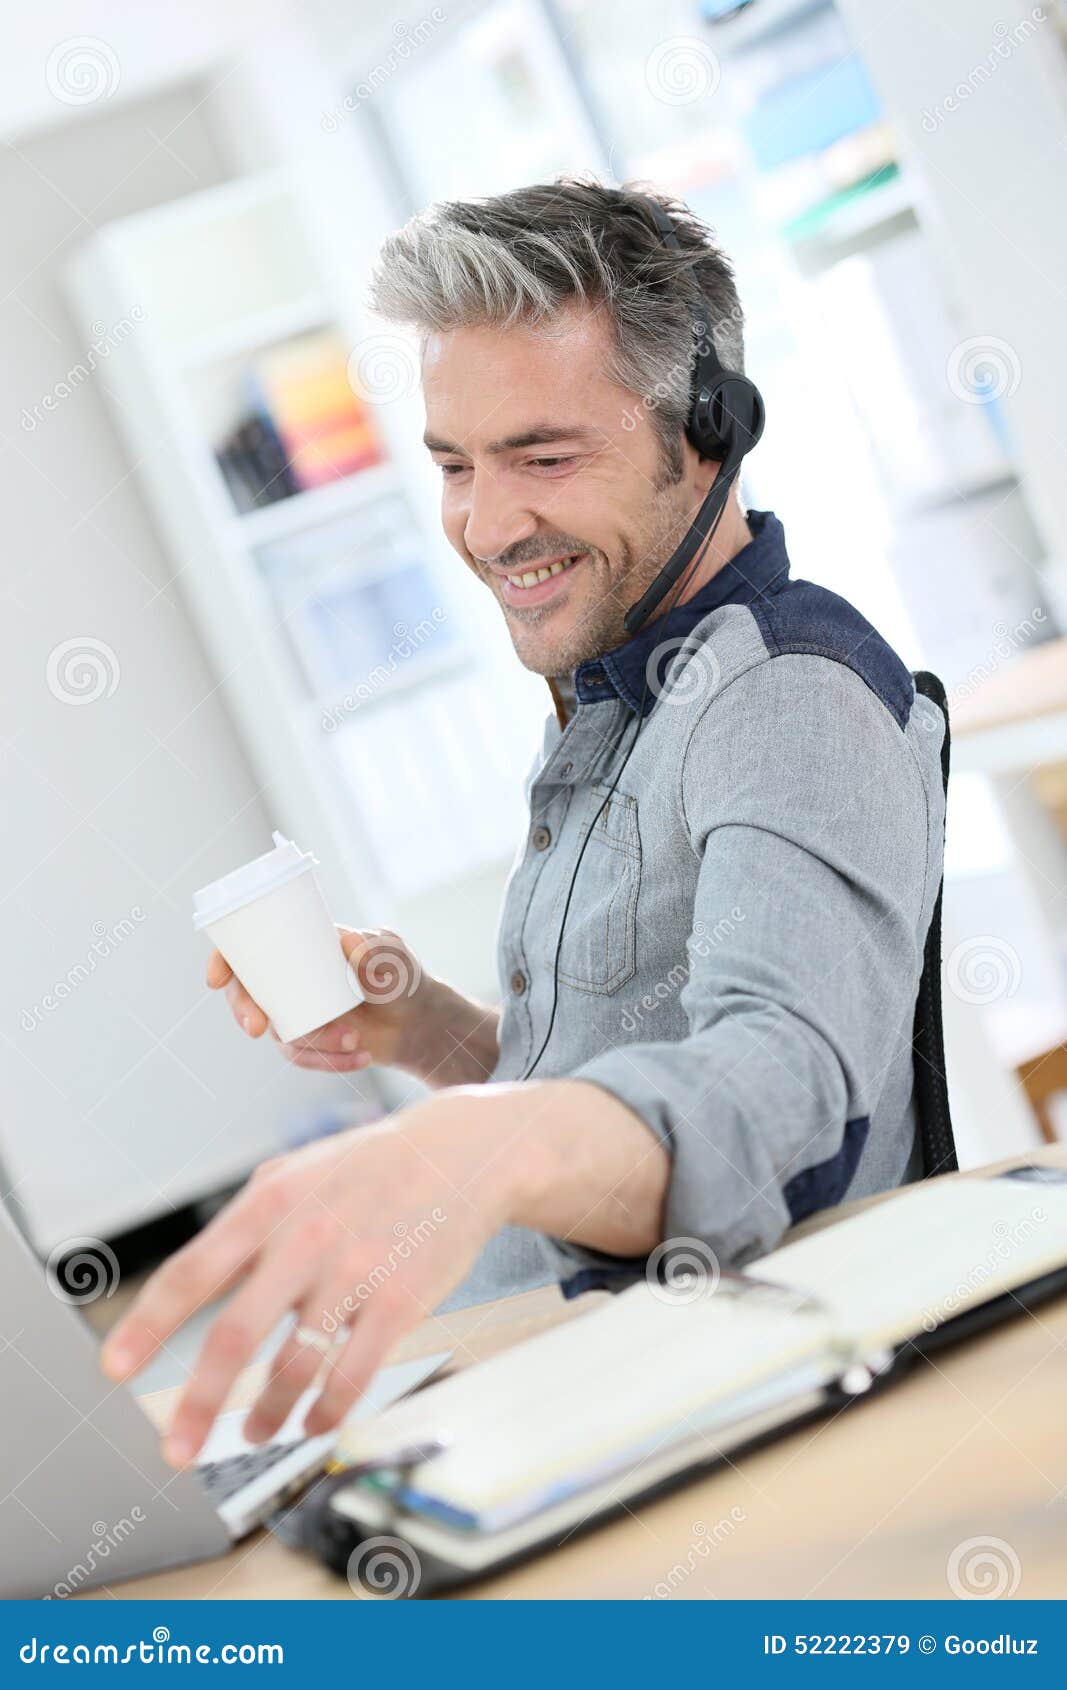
(915, 1261)
(643, 1367)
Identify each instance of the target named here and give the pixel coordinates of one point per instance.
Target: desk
(870, 1504)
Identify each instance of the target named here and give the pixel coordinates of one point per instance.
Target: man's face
(555, 490)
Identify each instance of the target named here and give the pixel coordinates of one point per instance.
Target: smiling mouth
(536, 574)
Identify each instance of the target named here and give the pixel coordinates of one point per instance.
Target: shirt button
(541, 838)
(596, 678)
(567, 769)
(518, 982)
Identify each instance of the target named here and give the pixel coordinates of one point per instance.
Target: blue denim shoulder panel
(826, 1183)
(804, 618)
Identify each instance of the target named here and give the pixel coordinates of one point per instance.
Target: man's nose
(495, 518)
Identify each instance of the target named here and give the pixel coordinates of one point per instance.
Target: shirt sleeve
(806, 807)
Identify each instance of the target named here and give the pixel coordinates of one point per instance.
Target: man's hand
(361, 1236)
(407, 1020)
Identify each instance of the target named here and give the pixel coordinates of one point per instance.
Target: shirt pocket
(599, 950)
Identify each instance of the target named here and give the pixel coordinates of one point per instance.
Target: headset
(726, 417)
(725, 421)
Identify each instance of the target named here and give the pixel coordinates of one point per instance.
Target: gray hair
(523, 256)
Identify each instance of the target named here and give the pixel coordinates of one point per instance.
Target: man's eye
(553, 463)
(448, 470)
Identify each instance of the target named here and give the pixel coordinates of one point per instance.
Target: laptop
(85, 1495)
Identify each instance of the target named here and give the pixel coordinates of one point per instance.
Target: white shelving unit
(410, 791)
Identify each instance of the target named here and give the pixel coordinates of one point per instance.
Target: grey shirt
(744, 945)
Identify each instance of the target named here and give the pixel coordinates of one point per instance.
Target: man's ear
(698, 472)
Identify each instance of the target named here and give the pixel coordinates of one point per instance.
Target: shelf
(252, 334)
(318, 505)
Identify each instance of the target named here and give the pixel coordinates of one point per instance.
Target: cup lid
(243, 885)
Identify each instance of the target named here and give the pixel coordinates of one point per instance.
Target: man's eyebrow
(542, 434)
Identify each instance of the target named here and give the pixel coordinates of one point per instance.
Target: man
(729, 1025)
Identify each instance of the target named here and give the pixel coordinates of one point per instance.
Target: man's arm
(806, 807)
(362, 1235)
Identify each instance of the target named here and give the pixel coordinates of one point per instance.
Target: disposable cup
(270, 921)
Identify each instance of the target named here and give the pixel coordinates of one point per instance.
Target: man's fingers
(276, 1284)
(292, 1370)
(218, 971)
(193, 1276)
(383, 1319)
(337, 1038)
(246, 1012)
(323, 1063)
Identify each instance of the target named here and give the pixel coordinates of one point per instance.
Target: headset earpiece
(727, 416)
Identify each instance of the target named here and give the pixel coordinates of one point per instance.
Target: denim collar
(759, 570)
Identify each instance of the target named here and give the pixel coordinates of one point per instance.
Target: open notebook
(526, 1448)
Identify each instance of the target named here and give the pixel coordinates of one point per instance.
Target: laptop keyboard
(223, 1479)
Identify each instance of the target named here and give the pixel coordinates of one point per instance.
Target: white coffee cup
(270, 921)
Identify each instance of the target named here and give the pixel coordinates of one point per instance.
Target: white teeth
(531, 577)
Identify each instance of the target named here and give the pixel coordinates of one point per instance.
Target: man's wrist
(451, 1039)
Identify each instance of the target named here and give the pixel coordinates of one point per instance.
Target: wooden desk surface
(870, 1504)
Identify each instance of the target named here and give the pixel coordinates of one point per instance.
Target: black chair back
(928, 1036)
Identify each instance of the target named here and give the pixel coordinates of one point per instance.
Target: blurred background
(227, 606)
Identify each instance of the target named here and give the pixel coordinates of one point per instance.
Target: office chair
(928, 1034)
